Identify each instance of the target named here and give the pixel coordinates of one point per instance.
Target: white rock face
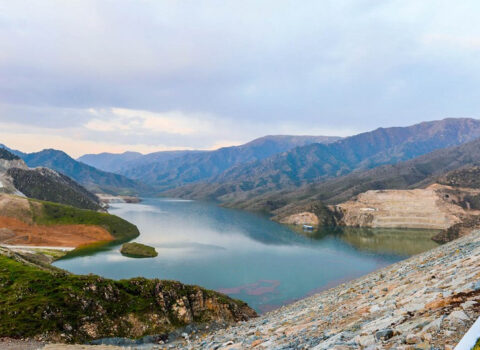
(7, 164)
(429, 208)
(305, 218)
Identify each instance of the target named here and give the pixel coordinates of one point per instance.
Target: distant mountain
(118, 163)
(201, 166)
(455, 166)
(316, 163)
(42, 183)
(111, 162)
(93, 179)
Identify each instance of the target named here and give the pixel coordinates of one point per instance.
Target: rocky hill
(316, 163)
(42, 302)
(42, 183)
(48, 185)
(7, 155)
(91, 178)
(193, 167)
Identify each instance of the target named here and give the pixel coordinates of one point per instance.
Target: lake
(245, 255)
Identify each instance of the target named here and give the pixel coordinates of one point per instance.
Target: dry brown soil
(16, 232)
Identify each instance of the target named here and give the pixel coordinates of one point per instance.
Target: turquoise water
(245, 255)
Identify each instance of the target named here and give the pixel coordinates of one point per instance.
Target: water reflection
(405, 242)
(244, 255)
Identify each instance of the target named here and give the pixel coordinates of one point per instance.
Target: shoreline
(430, 299)
(438, 289)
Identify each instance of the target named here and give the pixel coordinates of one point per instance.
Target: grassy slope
(53, 213)
(47, 301)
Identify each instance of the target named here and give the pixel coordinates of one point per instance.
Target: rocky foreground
(426, 302)
(42, 303)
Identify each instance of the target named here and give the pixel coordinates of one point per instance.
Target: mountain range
(168, 169)
(42, 183)
(273, 172)
(316, 163)
(121, 163)
(91, 178)
(448, 166)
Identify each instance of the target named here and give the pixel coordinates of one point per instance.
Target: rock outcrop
(452, 209)
(46, 303)
(426, 302)
(304, 218)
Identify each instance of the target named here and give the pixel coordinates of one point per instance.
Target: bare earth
(16, 232)
(17, 227)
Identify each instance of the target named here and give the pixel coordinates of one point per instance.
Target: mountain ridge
(91, 178)
(193, 168)
(316, 163)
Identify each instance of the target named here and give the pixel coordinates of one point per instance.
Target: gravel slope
(426, 302)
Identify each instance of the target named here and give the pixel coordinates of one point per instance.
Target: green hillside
(38, 300)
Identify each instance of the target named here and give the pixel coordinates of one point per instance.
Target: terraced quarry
(420, 208)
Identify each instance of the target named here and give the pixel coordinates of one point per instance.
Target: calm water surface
(245, 255)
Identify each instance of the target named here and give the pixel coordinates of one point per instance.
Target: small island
(138, 250)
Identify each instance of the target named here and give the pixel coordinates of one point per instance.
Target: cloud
(172, 122)
(199, 73)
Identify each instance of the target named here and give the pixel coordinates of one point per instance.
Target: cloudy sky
(93, 76)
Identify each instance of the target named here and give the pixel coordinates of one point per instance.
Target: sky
(111, 76)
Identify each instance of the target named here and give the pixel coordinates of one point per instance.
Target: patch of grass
(477, 345)
(138, 250)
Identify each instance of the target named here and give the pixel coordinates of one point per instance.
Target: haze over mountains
(119, 163)
(273, 171)
(171, 169)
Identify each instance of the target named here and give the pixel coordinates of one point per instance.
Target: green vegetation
(477, 345)
(42, 300)
(138, 250)
(54, 214)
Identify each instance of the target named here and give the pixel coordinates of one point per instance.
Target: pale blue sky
(92, 76)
